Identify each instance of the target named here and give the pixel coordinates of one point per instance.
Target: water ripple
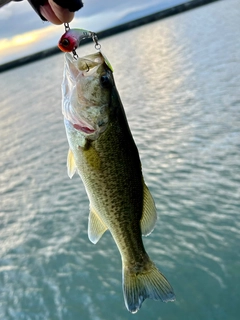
(182, 101)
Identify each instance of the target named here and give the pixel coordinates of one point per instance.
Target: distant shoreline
(111, 31)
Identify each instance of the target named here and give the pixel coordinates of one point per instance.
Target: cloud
(96, 22)
(94, 7)
(28, 43)
(22, 32)
(5, 13)
(13, 8)
(17, 18)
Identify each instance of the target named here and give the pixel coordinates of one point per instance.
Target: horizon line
(110, 31)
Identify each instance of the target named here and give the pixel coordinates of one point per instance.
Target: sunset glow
(29, 42)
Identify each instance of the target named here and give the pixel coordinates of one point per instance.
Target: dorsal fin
(71, 165)
(149, 216)
(96, 226)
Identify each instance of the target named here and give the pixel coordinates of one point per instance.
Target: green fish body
(103, 152)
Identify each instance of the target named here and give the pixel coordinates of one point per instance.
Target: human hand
(56, 11)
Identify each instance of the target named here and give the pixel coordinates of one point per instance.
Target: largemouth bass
(102, 151)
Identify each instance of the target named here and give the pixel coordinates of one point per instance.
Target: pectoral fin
(96, 227)
(149, 216)
(71, 165)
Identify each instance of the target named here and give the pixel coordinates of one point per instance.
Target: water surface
(179, 82)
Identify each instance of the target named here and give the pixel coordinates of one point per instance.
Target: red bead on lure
(71, 39)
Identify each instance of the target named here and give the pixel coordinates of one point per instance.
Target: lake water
(179, 79)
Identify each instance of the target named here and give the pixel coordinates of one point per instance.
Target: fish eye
(105, 81)
(65, 42)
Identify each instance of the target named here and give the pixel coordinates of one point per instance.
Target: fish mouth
(74, 104)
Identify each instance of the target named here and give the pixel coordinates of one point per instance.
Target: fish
(103, 152)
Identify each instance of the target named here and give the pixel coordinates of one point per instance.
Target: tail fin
(150, 283)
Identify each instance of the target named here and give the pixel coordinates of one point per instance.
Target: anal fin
(149, 215)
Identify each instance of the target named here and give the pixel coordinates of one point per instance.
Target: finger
(56, 14)
(63, 14)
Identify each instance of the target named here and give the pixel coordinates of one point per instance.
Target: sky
(22, 32)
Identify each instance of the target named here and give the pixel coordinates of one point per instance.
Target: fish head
(86, 90)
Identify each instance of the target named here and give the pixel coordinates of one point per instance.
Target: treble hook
(75, 55)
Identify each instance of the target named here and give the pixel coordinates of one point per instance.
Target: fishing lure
(71, 39)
